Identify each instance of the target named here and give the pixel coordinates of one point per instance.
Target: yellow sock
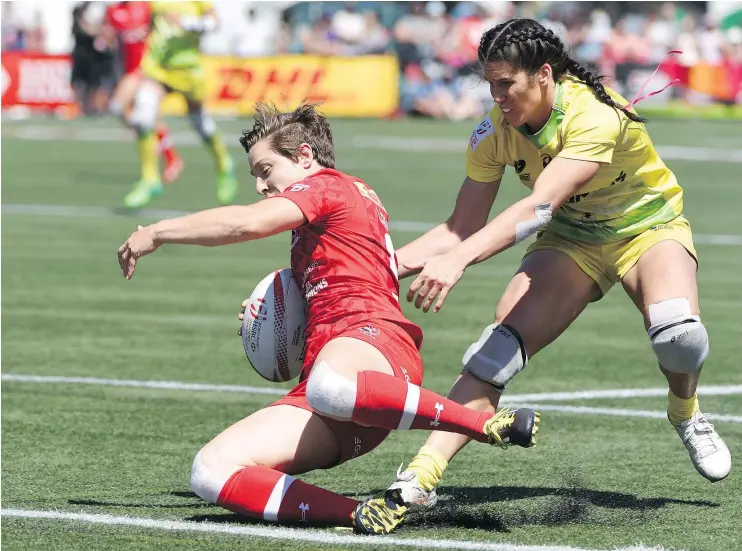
(218, 150)
(680, 409)
(147, 145)
(428, 465)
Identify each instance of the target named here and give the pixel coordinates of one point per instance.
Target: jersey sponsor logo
(357, 445)
(313, 290)
(577, 198)
(308, 270)
(370, 331)
(383, 219)
(520, 166)
(484, 129)
(369, 193)
(621, 177)
(662, 227)
(299, 187)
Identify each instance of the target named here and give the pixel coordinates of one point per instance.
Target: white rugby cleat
(708, 452)
(408, 490)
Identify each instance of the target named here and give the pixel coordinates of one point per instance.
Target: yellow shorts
(607, 263)
(191, 83)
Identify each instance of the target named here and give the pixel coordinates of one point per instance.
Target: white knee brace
(497, 356)
(331, 394)
(678, 337)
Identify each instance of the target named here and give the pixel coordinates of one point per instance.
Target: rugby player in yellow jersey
(604, 209)
(172, 64)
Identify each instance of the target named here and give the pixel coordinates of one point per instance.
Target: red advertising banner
(36, 81)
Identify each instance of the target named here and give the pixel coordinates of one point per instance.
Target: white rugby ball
(273, 327)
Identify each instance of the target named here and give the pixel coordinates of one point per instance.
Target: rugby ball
(273, 327)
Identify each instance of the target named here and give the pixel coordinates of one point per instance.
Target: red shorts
(400, 350)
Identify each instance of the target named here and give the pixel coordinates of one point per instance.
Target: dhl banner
(364, 86)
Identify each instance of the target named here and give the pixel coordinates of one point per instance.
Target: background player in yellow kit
(605, 209)
(172, 64)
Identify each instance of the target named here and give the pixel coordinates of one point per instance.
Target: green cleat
(142, 193)
(227, 186)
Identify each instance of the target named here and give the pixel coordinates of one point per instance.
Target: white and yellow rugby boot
(708, 452)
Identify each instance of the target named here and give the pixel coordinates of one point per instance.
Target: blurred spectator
(627, 44)
(710, 42)
(318, 37)
(93, 72)
(377, 39)
(662, 31)
(12, 29)
(36, 35)
(263, 33)
(348, 24)
(418, 32)
(431, 90)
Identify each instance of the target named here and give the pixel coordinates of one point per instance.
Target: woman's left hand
(438, 277)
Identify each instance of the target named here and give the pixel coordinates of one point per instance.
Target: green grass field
(70, 449)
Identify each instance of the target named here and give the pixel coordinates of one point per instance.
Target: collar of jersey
(544, 136)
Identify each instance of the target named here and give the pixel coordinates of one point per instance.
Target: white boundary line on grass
(619, 412)
(399, 225)
(412, 144)
(290, 534)
(162, 385)
(519, 399)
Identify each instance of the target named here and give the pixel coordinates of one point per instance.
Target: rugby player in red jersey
(362, 367)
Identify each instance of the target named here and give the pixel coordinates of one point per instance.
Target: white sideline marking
(618, 412)
(717, 390)
(163, 385)
(669, 152)
(384, 143)
(292, 534)
(399, 225)
(711, 390)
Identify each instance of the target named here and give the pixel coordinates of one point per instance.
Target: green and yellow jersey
(632, 191)
(169, 45)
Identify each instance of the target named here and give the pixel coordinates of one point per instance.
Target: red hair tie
(639, 97)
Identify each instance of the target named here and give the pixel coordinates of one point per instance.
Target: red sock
(167, 149)
(387, 402)
(264, 493)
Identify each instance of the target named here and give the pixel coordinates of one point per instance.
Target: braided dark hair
(527, 45)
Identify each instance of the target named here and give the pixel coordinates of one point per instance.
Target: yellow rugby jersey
(168, 44)
(632, 191)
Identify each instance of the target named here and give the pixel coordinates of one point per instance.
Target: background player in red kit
(128, 24)
(362, 368)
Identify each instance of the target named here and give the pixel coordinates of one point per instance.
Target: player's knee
(116, 108)
(202, 122)
(146, 107)
(497, 356)
(679, 338)
(329, 393)
(208, 477)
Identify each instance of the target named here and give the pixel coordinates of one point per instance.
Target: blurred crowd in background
(435, 42)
